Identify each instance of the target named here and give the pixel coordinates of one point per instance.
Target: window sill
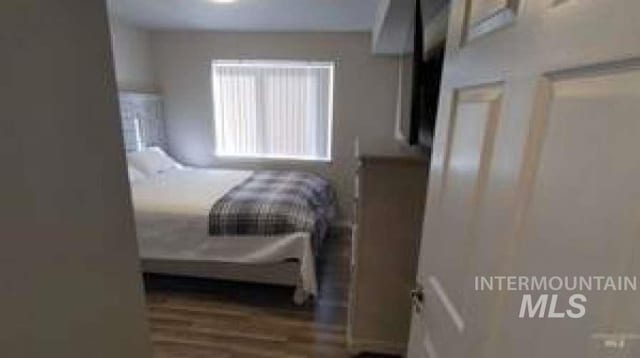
(243, 159)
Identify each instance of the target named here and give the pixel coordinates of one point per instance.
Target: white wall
(68, 259)
(365, 93)
(132, 57)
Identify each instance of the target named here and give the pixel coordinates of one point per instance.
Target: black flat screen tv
(425, 89)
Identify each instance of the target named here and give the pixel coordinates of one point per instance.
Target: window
(273, 109)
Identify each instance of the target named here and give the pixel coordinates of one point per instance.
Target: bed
(263, 226)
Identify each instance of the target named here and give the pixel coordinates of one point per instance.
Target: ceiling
(248, 15)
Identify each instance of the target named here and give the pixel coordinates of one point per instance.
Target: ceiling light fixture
(223, 1)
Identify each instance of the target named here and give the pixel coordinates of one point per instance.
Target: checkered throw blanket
(273, 203)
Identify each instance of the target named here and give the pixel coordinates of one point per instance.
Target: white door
(535, 172)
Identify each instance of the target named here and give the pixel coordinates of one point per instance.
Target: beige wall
(365, 93)
(69, 277)
(132, 57)
(403, 106)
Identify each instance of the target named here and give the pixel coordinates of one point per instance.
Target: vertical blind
(270, 109)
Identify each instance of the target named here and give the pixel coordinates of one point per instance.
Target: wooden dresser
(390, 193)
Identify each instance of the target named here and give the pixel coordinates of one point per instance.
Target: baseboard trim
(358, 346)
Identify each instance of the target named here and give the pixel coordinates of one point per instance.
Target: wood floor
(196, 318)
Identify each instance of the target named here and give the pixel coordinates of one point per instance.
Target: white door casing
(534, 172)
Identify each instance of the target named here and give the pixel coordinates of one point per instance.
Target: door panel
(475, 117)
(484, 16)
(533, 174)
(584, 206)
(483, 9)
(471, 134)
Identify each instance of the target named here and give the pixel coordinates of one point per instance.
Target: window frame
(330, 65)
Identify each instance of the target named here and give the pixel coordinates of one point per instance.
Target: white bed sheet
(172, 223)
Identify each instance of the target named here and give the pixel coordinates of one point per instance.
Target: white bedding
(187, 192)
(172, 215)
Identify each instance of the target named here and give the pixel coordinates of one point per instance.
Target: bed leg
(300, 297)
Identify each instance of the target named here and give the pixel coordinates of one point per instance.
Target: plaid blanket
(273, 203)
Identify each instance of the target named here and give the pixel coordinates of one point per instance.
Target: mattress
(172, 223)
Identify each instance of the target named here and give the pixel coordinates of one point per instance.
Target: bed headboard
(143, 123)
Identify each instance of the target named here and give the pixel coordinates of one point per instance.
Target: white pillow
(152, 161)
(134, 174)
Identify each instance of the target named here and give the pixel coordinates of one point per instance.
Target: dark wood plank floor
(196, 318)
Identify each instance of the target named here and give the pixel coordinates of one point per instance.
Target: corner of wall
(131, 47)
